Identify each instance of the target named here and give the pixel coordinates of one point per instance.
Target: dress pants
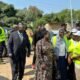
(18, 66)
(62, 67)
(34, 57)
(71, 72)
(1, 48)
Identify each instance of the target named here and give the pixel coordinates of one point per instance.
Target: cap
(77, 33)
(74, 30)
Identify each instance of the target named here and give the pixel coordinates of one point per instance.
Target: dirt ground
(5, 70)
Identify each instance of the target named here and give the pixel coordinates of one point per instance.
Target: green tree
(39, 22)
(64, 15)
(33, 13)
(21, 13)
(9, 10)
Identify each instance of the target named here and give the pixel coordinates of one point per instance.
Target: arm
(69, 58)
(34, 39)
(28, 45)
(76, 57)
(10, 44)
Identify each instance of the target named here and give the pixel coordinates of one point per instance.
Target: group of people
(55, 58)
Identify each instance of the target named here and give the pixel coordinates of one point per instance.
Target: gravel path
(5, 70)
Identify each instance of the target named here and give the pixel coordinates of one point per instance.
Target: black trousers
(2, 45)
(34, 57)
(18, 66)
(62, 67)
(71, 72)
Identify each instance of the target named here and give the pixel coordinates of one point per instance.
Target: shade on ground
(5, 70)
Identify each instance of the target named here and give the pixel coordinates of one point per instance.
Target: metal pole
(71, 13)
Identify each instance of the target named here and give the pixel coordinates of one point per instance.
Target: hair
(78, 24)
(61, 30)
(63, 24)
(45, 32)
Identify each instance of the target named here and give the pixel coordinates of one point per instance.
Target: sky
(47, 6)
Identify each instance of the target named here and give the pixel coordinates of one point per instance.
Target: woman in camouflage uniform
(44, 59)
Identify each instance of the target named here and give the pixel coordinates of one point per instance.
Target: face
(47, 36)
(75, 38)
(21, 29)
(38, 28)
(69, 35)
(61, 34)
(16, 28)
(64, 27)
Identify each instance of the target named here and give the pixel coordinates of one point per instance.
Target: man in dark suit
(18, 44)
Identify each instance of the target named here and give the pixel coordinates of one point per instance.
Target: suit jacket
(17, 47)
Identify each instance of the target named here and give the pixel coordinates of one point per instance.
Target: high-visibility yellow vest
(2, 35)
(54, 40)
(74, 49)
(71, 46)
(76, 52)
(67, 42)
(31, 40)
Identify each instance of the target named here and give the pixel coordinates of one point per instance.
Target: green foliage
(9, 20)
(9, 10)
(39, 22)
(33, 17)
(32, 14)
(51, 18)
(77, 13)
(21, 13)
(64, 16)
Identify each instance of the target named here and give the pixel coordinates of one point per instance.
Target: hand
(34, 47)
(69, 60)
(76, 58)
(28, 55)
(43, 66)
